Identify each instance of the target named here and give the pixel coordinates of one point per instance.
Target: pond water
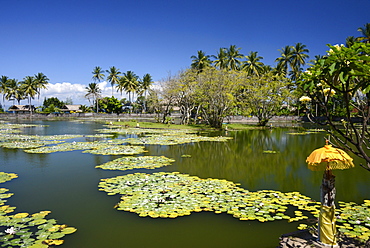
(66, 183)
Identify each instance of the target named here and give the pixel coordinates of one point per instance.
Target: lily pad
(129, 163)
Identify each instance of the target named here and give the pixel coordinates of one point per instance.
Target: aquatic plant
(27, 230)
(170, 195)
(142, 162)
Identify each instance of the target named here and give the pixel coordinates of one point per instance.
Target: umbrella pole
(327, 229)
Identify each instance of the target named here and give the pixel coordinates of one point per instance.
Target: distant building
(22, 109)
(71, 108)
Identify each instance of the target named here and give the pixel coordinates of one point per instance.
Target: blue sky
(66, 39)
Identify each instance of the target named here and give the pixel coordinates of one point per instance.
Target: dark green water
(66, 184)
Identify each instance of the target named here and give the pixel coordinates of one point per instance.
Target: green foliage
(340, 84)
(129, 163)
(110, 105)
(263, 95)
(24, 229)
(52, 101)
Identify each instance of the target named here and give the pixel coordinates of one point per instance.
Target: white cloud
(76, 92)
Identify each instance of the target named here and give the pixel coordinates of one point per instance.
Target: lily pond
(86, 184)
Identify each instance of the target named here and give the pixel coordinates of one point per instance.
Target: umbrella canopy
(329, 158)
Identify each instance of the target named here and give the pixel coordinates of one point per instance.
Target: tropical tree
(14, 91)
(30, 90)
(128, 83)
(214, 95)
(114, 76)
(94, 91)
(98, 74)
(221, 59)
(4, 80)
(298, 58)
(284, 60)
(252, 65)
(365, 31)
(40, 81)
(201, 61)
(233, 61)
(262, 96)
(144, 86)
(343, 74)
(52, 101)
(111, 105)
(350, 40)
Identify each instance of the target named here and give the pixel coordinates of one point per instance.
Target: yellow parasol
(327, 159)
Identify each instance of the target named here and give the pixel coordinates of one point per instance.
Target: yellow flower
(329, 92)
(337, 47)
(305, 99)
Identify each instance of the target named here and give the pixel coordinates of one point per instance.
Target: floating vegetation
(170, 195)
(142, 162)
(130, 130)
(27, 230)
(28, 144)
(173, 139)
(354, 220)
(270, 152)
(300, 133)
(7, 126)
(103, 148)
(73, 146)
(4, 177)
(107, 149)
(186, 156)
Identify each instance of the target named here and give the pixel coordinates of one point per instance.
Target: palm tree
(13, 91)
(233, 56)
(113, 76)
(221, 59)
(4, 80)
(40, 82)
(98, 74)
(94, 91)
(350, 40)
(299, 56)
(200, 61)
(285, 60)
(252, 65)
(128, 83)
(29, 87)
(144, 86)
(365, 31)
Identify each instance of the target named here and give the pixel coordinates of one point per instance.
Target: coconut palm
(114, 76)
(365, 31)
(98, 74)
(4, 80)
(13, 91)
(144, 86)
(299, 56)
(129, 83)
(233, 61)
(40, 81)
(94, 91)
(252, 65)
(284, 60)
(200, 61)
(350, 40)
(29, 88)
(221, 59)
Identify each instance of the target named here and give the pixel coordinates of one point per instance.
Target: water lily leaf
(128, 163)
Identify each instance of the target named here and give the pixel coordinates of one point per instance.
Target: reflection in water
(66, 183)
